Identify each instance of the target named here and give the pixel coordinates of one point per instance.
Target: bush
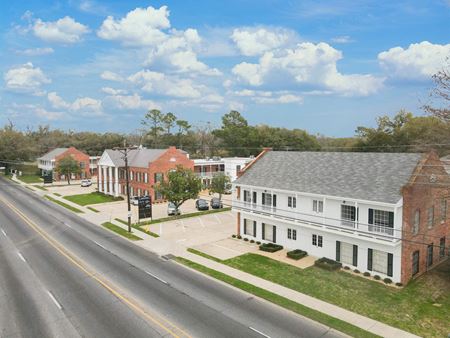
(252, 241)
(367, 274)
(399, 284)
(270, 247)
(327, 264)
(246, 239)
(239, 237)
(376, 277)
(387, 280)
(346, 267)
(356, 271)
(297, 254)
(258, 242)
(234, 236)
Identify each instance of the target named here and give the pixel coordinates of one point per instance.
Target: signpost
(145, 207)
(48, 178)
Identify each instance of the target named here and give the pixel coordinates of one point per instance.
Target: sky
(323, 66)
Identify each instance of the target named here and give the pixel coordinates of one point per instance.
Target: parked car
(216, 203)
(228, 189)
(201, 204)
(134, 200)
(172, 210)
(86, 183)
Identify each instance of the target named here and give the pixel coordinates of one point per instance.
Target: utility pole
(125, 150)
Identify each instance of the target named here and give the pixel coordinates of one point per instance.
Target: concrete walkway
(163, 247)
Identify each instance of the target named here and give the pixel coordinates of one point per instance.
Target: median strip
(71, 208)
(121, 231)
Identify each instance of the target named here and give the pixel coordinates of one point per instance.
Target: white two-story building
(348, 207)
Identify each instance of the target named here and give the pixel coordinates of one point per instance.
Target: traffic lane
(90, 308)
(212, 293)
(26, 306)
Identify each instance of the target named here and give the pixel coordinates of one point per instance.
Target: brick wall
(78, 156)
(428, 186)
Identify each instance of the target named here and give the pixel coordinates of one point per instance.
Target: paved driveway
(227, 248)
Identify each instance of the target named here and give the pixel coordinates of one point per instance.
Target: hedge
(297, 254)
(270, 247)
(327, 264)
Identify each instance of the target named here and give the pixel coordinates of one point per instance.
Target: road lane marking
(54, 300)
(4, 233)
(67, 225)
(156, 277)
(21, 257)
(201, 222)
(101, 246)
(181, 240)
(259, 332)
(161, 321)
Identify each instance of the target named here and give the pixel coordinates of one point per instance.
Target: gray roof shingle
(366, 176)
(139, 158)
(52, 154)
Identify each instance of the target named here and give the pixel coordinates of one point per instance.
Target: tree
(183, 127)
(67, 166)
(441, 92)
(220, 183)
(154, 120)
(181, 185)
(168, 120)
(234, 133)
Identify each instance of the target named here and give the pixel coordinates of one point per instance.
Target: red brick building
(49, 162)
(146, 167)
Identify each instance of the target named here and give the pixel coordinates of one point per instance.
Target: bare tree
(441, 92)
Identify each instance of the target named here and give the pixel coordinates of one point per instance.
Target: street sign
(145, 207)
(48, 178)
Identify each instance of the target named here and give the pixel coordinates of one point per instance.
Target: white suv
(86, 183)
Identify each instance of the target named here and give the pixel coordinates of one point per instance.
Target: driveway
(227, 248)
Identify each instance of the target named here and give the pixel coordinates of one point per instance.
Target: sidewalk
(163, 247)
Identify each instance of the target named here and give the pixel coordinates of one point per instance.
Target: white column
(110, 180)
(116, 182)
(104, 180)
(99, 178)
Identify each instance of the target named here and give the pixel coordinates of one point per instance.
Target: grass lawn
(193, 214)
(92, 209)
(137, 227)
(422, 307)
(92, 198)
(30, 178)
(121, 231)
(40, 187)
(56, 194)
(71, 208)
(281, 301)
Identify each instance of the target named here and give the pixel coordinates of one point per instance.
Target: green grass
(30, 178)
(56, 194)
(92, 209)
(199, 253)
(194, 214)
(29, 188)
(40, 187)
(71, 208)
(281, 301)
(92, 198)
(137, 227)
(121, 221)
(121, 231)
(412, 308)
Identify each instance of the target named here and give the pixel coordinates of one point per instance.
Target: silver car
(172, 210)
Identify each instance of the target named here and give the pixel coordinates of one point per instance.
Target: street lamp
(124, 151)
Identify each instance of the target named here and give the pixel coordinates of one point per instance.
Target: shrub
(399, 284)
(346, 267)
(246, 239)
(239, 237)
(297, 254)
(252, 241)
(367, 274)
(270, 247)
(376, 277)
(327, 264)
(356, 271)
(234, 236)
(258, 242)
(387, 280)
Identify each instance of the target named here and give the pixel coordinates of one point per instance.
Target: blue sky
(324, 66)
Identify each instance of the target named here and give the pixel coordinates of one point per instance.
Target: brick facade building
(49, 162)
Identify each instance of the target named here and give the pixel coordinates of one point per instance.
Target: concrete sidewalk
(163, 247)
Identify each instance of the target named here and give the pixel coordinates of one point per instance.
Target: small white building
(230, 166)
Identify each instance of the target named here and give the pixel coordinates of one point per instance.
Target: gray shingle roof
(366, 176)
(139, 158)
(52, 154)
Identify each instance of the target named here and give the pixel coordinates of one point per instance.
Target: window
(145, 177)
(317, 240)
(249, 227)
(266, 199)
(381, 221)
(254, 197)
(430, 255)
(247, 197)
(269, 232)
(443, 210)
(380, 261)
(415, 262)
(158, 177)
(348, 254)
(416, 225)
(292, 234)
(430, 217)
(238, 168)
(318, 206)
(131, 175)
(82, 165)
(348, 215)
(292, 202)
(442, 247)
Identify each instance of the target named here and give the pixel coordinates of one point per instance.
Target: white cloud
(36, 51)
(342, 39)
(48, 115)
(132, 102)
(111, 76)
(282, 99)
(307, 65)
(256, 41)
(139, 27)
(26, 78)
(57, 101)
(65, 30)
(418, 61)
(113, 91)
(82, 105)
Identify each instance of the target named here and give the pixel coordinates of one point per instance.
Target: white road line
(67, 225)
(181, 240)
(4, 233)
(101, 246)
(54, 300)
(201, 222)
(21, 257)
(224, 247)
(156, 277)
(262, 334)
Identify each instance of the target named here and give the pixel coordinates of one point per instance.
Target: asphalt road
(61, 276)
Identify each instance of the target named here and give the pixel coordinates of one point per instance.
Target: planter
(270, 247)
(297, 254)
(327, 264)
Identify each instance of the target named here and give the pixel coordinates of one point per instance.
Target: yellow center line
(78, 263)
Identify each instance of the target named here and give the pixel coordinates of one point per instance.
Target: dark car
(216, 203)
(201, 204)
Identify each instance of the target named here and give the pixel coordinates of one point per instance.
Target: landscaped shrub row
(327, 264)
(297, 254)
(270, 247)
